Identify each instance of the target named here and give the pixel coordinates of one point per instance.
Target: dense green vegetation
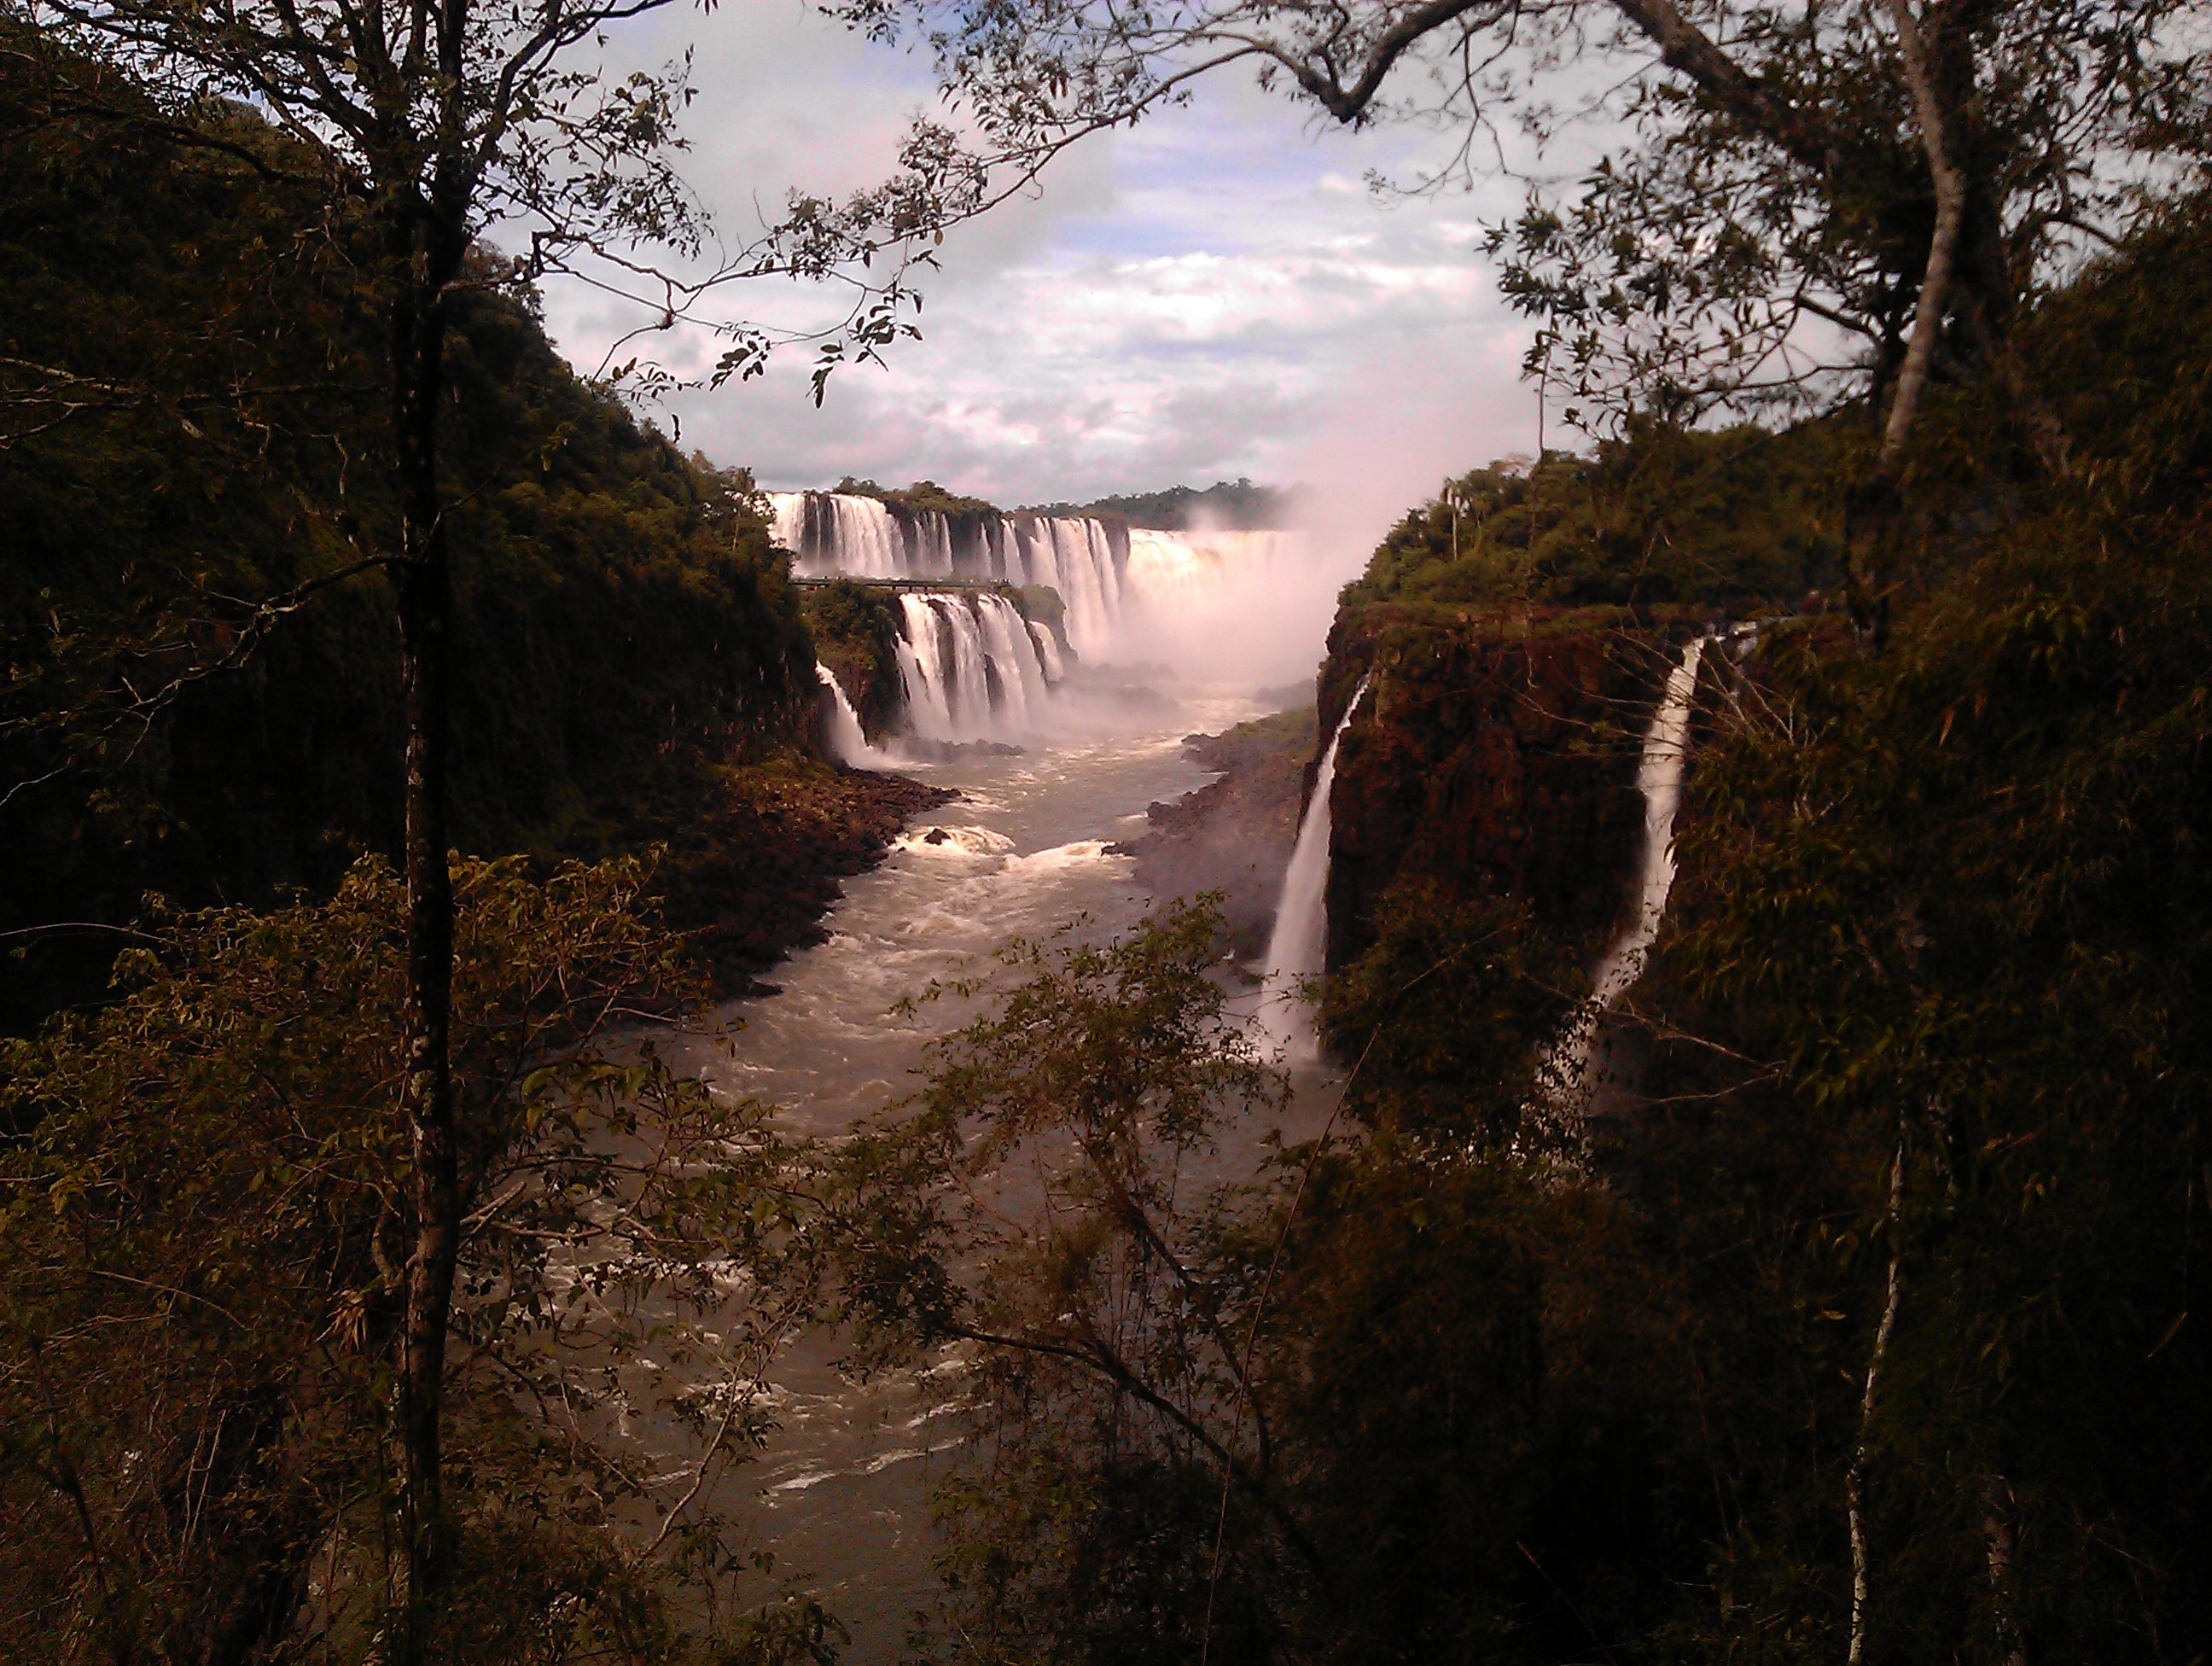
(1892, 1276)
(192, 428)
(923, 496)
(1897, 1254)
(856, 633)
(209, 1209)
(197, 1316)
(1664, 516)
(1245, 745)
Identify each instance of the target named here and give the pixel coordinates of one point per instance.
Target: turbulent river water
(841, 1493)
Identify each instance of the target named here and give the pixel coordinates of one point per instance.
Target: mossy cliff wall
(1497, 752)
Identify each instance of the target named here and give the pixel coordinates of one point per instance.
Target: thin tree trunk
(1854, 1480)
(1996, 1535)
(1950, 184)
(1871, 513)
(425, 586)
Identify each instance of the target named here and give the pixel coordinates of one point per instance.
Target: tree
(420, 125)
(1233, 1400)
(423, 121)
(1801, 203)
(211, 1170)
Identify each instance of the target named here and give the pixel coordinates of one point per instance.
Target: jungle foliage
(1669, 514)
(856, 634)
(1870, 1328)
(199, 702)
(1230, 503)
(202, 1232)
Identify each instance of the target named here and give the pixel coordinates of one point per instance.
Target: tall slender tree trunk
(427, 255)
(1862, 1454)
(1874, 512)
(1997, 1548)
(1950, 187)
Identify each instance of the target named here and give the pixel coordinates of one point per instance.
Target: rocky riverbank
(1234, 835)
(755, 853)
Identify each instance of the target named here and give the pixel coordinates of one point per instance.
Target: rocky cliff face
(1496, 750)
(1234, 835)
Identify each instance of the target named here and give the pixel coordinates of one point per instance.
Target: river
(840, 1494)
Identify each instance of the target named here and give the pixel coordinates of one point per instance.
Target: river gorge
(1077, 786)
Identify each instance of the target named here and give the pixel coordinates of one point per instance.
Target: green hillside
(190, 427)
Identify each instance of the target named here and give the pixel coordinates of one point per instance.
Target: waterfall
(971, 686)
(1047, 647)
(973, 668)
(1659, 778)
(1083, 568)
(849, 742)
(1173, 571)
(787, 523)
(1298, 948)
(1008, 647)
(1180, 598)
(850, 535)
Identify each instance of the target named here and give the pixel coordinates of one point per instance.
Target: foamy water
(840, 1494)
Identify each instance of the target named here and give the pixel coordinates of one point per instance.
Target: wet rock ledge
(1233, 835)
(755, 852)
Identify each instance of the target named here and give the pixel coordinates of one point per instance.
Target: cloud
(1212, 294)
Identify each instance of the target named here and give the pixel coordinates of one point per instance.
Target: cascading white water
(1056, 669)
(1184, 599)
(922, 672)
(847, 534)
(1074, 557)
(1659, 778)
(971, 681)
(1007, 646)
(1174, 571)
(788, 520)
(849, 742)
(1298, 948)
(1008, 563)
(971, 668)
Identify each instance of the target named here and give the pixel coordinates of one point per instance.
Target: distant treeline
(1231, 504)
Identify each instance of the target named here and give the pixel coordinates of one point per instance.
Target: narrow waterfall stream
(849, 742)
(1299, 948)
(1659, 774)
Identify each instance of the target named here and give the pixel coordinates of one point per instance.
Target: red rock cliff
(1495, 751)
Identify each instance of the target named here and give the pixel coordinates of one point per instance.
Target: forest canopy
(341, 1263)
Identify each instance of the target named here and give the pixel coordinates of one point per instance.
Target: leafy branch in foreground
(204, 1229)
(1231, 1398)
(1791, 207)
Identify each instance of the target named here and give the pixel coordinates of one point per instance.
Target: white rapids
(840, 1490)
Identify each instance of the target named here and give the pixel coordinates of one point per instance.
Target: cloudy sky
(1213, 294)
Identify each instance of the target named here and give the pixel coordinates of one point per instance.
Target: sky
(1214, 293)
